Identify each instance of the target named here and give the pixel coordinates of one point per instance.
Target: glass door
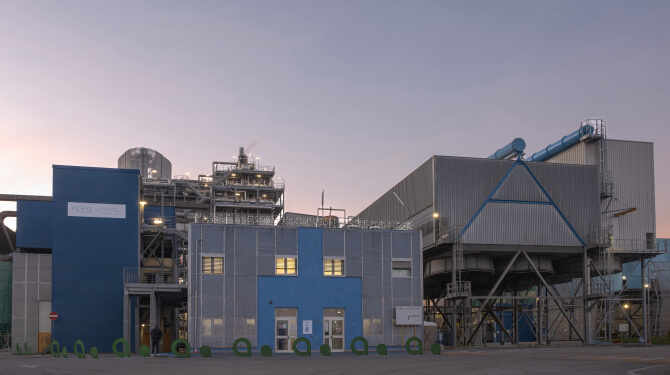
(286, 329)
(333, 329)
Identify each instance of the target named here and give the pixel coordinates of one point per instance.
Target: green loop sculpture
(247, 352)
(55, 352)
(80, 354)
(365, 346)
(266, 351)
(187, 351)
(382, 349)
(307, 352)
(325, 350)
(206, 351)
(126, 348)
(408, 344)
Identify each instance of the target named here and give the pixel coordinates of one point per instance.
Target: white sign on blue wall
(110, 211)
(408, 315)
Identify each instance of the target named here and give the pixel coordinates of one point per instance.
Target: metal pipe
(562, 144)
(515, 147)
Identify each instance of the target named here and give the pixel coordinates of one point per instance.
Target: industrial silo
(151, 163)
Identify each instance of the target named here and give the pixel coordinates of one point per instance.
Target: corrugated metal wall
(415, 190)
(632, 166)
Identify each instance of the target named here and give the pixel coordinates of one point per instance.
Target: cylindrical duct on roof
(516, 146)
(563, 144)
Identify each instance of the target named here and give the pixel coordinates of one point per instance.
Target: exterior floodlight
(158, 220)
(143, 203)
(625, 306)
(646, 285)
(233, 174)
(436, 215)
(623, 277)
(153, 171)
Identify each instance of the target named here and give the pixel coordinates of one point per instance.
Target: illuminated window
(212, 265)
(286, 266)
(333, 267)
(401, 268)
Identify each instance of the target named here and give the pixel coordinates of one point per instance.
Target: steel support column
(126, 316)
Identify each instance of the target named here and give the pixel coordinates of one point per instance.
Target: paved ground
(545, 360)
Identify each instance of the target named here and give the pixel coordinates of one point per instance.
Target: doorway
(286, 329)
(333, 329)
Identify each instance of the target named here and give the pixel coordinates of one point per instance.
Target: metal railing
(635, 246)
(249, 166)
(463, 287)
(133, 275)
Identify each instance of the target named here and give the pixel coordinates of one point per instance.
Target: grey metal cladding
(401, 243)
(520, 186)
(463, 184)
(372, 244)
(267, 265)
(415, 191)
(372, 288)
(333, 242)
(520, 224)
(575, 191)
(245, 240)
(287, 241)
(632, 166)
(212, 238)
(372, 267)
(244, 264)
(229, 240)
(266, 241)
(402, 288)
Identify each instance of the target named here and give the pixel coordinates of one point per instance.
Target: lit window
(333, 267)
(401, 268)
(212, 265)
(286, 266)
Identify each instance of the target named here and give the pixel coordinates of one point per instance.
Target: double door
(333, 329)
(286, 329)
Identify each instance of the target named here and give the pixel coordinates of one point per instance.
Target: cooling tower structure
(151, 163)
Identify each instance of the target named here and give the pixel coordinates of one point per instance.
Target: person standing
(156, 335)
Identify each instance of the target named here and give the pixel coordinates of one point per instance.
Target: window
(333, 267)
(212, 265)
(286, 266)
(401, 268)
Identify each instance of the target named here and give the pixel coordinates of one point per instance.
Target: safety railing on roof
(635, 246)
(133, 275)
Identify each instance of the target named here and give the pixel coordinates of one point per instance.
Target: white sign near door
(306, 327)
(408, 315)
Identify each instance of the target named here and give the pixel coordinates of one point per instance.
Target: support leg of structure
(126, 316)
(152, 310)
(540, 312)
(645, 328)
(137, 323)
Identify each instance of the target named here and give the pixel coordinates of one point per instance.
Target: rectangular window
(333, 267)
(401, 268)
(286, 266)
(212, 265)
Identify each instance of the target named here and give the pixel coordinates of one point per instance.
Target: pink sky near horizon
(345, 97)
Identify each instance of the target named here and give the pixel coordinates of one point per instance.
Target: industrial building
(510, 248)
(529, 248)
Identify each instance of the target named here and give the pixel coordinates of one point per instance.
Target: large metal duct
(471, 263)
(515, 147)
(562, 144)
(151, 163)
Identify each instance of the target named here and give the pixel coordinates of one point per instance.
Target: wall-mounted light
(646, 285)
(623, 277)
(625, 306)
(142, 203)
(158, 220)
(436, 215)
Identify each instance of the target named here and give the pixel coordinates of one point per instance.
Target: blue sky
(346, 96)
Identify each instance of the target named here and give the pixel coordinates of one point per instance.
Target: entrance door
(333, 329)
(286, 329)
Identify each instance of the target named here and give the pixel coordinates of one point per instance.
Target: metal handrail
(133, 275)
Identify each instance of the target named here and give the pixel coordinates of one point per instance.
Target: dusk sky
(343, 96)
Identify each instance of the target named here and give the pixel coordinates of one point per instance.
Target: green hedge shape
(144, 351)
(126, 348)
(266, 351)
(325, 350)
(418, 342)
(365, 346)
(187, 352)
(206, 351)
(94, 352)
(246, 353)
(81, 354)
(307, 352)
(55, 352)
(435, 349)
(382, 350)
(64, 352)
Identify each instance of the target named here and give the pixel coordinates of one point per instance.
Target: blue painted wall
(153, 212)
(34, 222)
(89, 254)
(310, 292)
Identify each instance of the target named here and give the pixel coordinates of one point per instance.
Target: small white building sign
(408, 315)
(110, 211)
(306, 327)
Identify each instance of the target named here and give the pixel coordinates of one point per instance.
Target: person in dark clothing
(156, 335)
